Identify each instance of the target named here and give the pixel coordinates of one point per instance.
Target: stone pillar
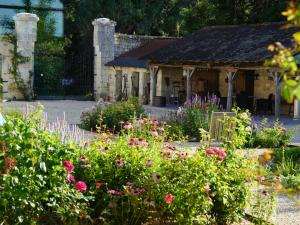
(278, 84)
(230, 77)
(104, 44)
(188, 72)
(26, 32)
(129, 84)
(153, 82)
(296, 109)
(142, 87)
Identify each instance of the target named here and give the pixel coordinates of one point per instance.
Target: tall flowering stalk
(67, 132)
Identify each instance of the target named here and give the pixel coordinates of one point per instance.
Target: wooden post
(230, 77)
(277, 80)
(296, 109)
(153, 81)
(188, 72)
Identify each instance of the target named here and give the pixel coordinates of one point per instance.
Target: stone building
(225, 60)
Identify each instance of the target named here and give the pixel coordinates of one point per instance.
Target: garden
(137, 170)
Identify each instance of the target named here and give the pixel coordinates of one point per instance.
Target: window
(9, 8)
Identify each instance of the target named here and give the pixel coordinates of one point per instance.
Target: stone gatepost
(26, 32)
(104, 46)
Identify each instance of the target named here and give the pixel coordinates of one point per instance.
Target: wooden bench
(220, 122)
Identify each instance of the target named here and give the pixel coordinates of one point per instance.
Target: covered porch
(255, 88)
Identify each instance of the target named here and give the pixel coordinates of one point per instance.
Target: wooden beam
(230, 73)
(153, 82)
(188, 72)
(278, 84)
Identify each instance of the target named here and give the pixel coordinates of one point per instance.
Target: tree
(287, 57)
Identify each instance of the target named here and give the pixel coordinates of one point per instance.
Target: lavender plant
(193, 115)
(67, 132)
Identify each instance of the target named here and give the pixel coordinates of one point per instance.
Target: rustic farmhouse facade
(225, 60)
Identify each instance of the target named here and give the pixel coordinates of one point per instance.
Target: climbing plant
(16, 60)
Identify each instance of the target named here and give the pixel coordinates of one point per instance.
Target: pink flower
(160, 129)
(215, 151)
(149, 162)
(169, 199)
(137, 191)
(127, 126)
(120, 162)
(154, 133)
(260, 178)
(154, 122)
(264, 193)
(107, 140)
(69, 166)
(71, 178)
(210, 151)
(83, 159)
(115, 192)
(284, 129)
(80, 186)
(156, 177)
(129, 183)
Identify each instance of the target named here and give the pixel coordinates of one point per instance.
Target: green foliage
(32, 179)
(287, 165)
(238, 129)
(111, 116)
(133, 178)
(270, 136)
(205, 189)
(287, 57)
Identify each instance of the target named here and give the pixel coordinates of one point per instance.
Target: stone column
(26, 32)
(153, 82)
(188, 72)
(104, 44)
(278, 84)
(142, 86)
(230, 76)
(296, 109)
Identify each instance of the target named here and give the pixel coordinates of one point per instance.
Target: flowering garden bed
(135, 177)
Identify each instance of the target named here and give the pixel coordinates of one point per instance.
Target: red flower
(69, 166)
(169, 199)
(80, 186)
(10, 163)
(98, 184)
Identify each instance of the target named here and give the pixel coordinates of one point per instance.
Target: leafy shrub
(270, 136)
(110, 116)
(238, 129)
(32, 179)
(193, 115)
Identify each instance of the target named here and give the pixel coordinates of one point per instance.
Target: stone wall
(108, 45)
(262, 87)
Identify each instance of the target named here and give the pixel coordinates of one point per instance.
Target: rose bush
(34, 178)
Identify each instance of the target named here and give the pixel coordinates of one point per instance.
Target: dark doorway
(245, 89)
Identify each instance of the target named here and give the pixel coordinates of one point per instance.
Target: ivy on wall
(16, 60)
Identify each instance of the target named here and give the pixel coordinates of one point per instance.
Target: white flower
(248, 128)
